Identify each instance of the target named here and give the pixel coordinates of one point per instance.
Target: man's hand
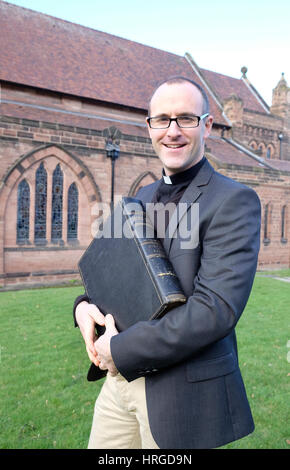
(87, 315)
(102, 346)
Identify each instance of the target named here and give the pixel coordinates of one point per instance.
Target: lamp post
(113, 152)
(280, 137)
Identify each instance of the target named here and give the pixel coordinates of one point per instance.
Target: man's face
(178, 148)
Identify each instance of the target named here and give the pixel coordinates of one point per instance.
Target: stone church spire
(281, 98)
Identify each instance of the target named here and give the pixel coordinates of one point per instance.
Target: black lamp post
(113, 152)
(280, 137)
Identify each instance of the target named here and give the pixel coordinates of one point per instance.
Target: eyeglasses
(164, 122)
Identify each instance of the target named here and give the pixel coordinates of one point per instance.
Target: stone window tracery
(57, 204)
(48, 211)
(40, 205)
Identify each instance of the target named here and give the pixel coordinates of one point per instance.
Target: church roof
(224, 86)
(49, 53)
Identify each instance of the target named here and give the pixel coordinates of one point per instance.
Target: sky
(221, 35)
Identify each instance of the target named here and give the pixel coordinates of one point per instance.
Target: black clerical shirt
(173, 189)
(170, 190)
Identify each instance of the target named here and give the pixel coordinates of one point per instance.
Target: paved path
(285, 279)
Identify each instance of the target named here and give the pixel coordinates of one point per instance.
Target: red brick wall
(274, 189)
(26, 141)
(74, 137)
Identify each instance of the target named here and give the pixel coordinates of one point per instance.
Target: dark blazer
(194, 388)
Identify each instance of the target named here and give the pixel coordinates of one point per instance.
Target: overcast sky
(221, 35)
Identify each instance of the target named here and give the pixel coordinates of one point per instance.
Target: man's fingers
(96, 314)
(113, 373)
(92, 355)
(90, 349)
(110, 323)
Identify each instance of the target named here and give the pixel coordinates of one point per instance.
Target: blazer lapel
(148, 191)
(190, 195)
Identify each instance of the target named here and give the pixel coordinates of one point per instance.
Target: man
(195, 397)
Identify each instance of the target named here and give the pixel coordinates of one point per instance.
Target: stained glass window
(72, 216)
(40, 204)
(23, 206)
(57, 196)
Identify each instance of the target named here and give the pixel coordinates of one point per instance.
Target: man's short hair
(180, 79)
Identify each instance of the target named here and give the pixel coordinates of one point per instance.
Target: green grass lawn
(46, 401)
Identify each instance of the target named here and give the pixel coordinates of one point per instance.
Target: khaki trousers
(120, 417)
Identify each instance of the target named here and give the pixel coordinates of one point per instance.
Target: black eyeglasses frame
(200, 118)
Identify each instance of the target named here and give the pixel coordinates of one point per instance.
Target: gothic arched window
(283, 224)
(56, 205)
(253, 145)
(23, 207)
(267, 224)
(40, 204)
(261, 149)
(72, 215)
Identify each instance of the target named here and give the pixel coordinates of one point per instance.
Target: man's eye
(185, 119)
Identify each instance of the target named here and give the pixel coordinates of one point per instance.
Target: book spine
(159, 266)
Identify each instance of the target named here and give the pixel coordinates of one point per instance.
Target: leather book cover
(125, 270)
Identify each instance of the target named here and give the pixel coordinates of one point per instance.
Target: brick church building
(68, 91)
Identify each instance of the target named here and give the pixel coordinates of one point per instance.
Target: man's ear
(148, 127)
(208, 126)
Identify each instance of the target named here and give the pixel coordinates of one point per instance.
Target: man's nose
(173, 130)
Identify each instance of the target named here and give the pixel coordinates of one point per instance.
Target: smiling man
(178, 129)
(175, 383)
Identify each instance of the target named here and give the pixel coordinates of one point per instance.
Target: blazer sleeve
(222, 286)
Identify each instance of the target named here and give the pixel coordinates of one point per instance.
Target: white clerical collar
(167, 179)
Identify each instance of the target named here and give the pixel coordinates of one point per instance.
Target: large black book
(126, 272)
